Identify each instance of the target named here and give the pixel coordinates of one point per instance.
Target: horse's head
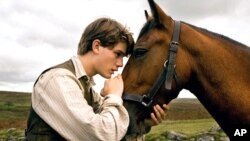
(150, 76)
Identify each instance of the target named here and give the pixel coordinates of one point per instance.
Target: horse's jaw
(132, 110)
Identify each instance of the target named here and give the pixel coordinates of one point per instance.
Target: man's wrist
(113, 99)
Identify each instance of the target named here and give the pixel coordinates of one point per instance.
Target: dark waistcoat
(37, 128)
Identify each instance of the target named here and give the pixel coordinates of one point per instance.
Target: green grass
(187, 127)
(11, 134)
(14, 105)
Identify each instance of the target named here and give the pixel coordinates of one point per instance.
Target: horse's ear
(146, 15)
(157, 12)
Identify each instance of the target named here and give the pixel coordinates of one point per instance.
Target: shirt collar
(80, 71)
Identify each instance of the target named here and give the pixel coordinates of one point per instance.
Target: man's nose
(119, 62)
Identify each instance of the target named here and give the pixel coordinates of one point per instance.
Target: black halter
(166, 75)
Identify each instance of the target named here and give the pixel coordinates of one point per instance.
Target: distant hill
(180, 108)
(187, 108)
(14, 106)
(13, 92)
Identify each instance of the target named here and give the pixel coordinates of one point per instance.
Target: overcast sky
(36, 34)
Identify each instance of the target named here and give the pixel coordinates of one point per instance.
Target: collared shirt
(59, 101)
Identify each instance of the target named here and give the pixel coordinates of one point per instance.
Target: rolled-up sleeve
(59, 101)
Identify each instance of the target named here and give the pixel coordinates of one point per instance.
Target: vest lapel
(87, 89)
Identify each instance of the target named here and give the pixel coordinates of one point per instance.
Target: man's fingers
(154, 119)
(157, 113)
(119, 76)
(166, 107)
(160, 113)
(102, 92)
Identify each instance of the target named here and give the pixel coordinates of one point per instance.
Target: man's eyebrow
(121, 52)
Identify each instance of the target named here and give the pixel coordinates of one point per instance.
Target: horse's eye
(139, 52)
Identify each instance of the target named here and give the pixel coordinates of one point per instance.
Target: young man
(65, 107)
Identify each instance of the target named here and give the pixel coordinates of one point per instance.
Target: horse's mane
(217, 35)
(152, 24)
(149, 25)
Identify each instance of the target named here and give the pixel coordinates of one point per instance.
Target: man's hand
(158, 116)
(113, 86)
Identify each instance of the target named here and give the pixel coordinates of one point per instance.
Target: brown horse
(170, 56)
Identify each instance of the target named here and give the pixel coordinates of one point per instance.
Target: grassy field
(185, 116)
(13, 109)
(189, 128)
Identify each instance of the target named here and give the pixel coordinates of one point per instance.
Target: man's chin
(107, 76)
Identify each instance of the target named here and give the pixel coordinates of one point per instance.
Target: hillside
(14, 107)
(185, 109)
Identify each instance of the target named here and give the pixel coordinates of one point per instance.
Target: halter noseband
(166, 75)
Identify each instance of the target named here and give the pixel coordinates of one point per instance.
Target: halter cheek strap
(166, 75)
(172, 55)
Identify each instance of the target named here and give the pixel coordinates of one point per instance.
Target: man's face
(110, 59)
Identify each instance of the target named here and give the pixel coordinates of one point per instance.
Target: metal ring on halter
(165, 64)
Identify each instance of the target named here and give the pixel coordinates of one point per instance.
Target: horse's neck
(216, 64)
(219, 72)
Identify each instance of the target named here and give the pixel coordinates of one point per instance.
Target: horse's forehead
(147, 26)
(151, 38)
(144, 39)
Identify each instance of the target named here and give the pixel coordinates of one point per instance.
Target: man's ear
(96, 46)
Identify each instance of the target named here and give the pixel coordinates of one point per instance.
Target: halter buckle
(174, 43)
